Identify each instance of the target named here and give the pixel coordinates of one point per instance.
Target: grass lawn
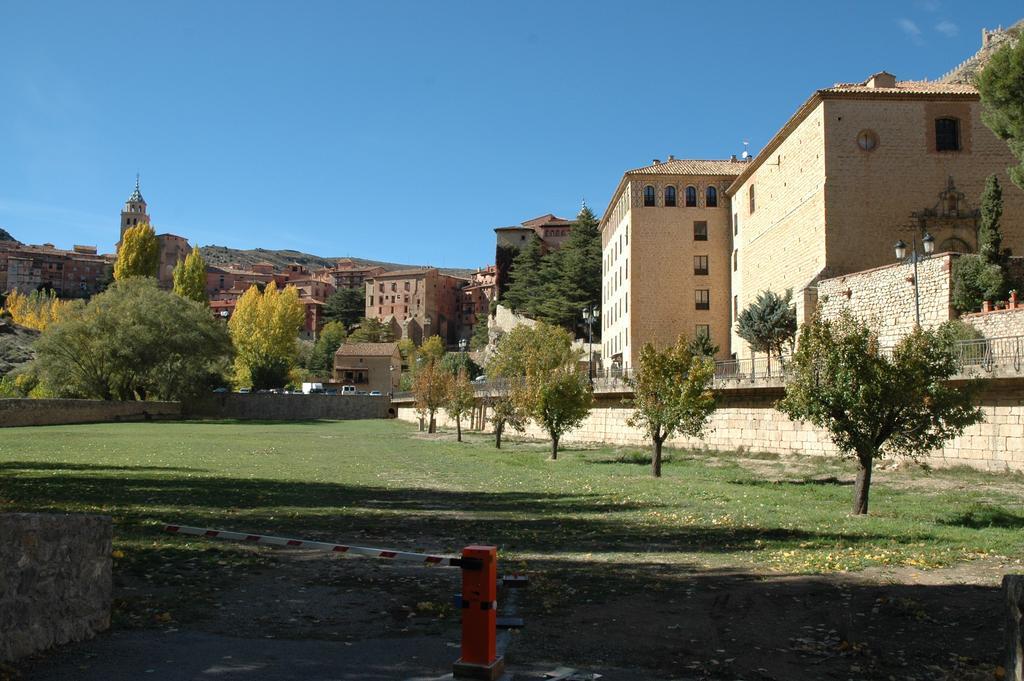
(589, 527)
(379, 480)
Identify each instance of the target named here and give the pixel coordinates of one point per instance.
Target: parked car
(480, 379)
(221, 390)
(331, 391)
(244, 391)
(348, 390)
(374, 393)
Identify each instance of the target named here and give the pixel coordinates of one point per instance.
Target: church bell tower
(134, 211)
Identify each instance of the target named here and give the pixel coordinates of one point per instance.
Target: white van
(347, 390)
(310, 388)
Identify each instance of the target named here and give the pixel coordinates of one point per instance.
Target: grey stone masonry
(55, 583)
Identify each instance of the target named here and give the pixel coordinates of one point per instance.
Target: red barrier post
(480, 658)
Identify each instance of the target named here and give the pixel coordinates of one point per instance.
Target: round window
(867, 140)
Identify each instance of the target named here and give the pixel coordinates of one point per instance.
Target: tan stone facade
(666, 258)
(857, 168)
(369, 366)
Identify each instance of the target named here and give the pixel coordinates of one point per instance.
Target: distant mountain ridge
(6, 236)
(222, 256)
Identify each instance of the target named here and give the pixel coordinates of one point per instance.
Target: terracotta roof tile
(687, 166)
(904, 87)
(366, 350)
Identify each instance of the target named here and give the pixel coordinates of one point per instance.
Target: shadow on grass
(45, 466)
(829, 481)
(983, 517)
(430, 519)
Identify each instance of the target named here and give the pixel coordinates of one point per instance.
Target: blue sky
(407, 131)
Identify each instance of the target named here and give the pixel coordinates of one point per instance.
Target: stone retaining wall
(998, 323)
(748, 421)
(25, 412)
(271, 407)
(55, 584)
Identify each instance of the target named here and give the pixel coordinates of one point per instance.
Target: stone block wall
(998, 323)
(884, 297)
(25, 412)
(55, 584)
(271, 407)
(747, 420)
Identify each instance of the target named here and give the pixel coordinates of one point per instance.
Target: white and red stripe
(423, 558)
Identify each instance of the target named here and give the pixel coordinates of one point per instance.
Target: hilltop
(222, 256)
(6, 236)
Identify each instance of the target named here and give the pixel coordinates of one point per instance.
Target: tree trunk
(554, 447)
(656, 458)
(863, 485)
(497, 435)
(433, 424)
(458, 429)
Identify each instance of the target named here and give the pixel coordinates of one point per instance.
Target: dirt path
(312, 616)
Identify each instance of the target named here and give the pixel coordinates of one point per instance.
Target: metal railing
(984, 353)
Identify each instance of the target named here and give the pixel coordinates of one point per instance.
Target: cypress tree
(989, 238)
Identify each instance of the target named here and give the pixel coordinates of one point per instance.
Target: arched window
(649, 195)
(712, 197)
(691, 197)
(670, 196)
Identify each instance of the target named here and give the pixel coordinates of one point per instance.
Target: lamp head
(901, 249)
(929, 243)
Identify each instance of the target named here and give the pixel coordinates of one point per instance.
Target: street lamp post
(591, 313)
(928, 244)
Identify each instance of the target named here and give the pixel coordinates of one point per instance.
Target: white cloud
(912, 30)
(947, 28)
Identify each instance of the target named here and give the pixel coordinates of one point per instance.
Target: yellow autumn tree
(264, 329)
(139, 253)
(190, 277)
(36, 310)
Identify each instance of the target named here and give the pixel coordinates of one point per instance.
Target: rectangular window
(703, 330)
(702, 298)
(700, 264)
(735, 260)
(735, 224)
(947, 134)
(752, 204)
(735, 307)
(700, 230)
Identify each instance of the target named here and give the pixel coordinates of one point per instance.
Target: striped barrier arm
(422, 558)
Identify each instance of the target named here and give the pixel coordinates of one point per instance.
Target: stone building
(346, 273)
(666, 241)
(550, 229)
(416, 303)
(475, 299)
(856, 168)
(78, 273)
(369, 366)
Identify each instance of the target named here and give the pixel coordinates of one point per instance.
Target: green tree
(133, 341)
(190, 277)
(581, 278)
(459, 400)
(346, 305)
(874, 405)
(1001, 85)
(557, 401)
(480, 337)
(525, 280)
(990, 240)
(264, 329)
(371, 330)
(671, 394)
(454, 362)
(139, 253)
(321, 359)
(768, 324)
(431, 350)
(701, 346)
(505, 413)
(974, 281)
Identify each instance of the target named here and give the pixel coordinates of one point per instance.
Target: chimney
(657, 161)
(671, 157)
(732, 159)
(881, 79)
